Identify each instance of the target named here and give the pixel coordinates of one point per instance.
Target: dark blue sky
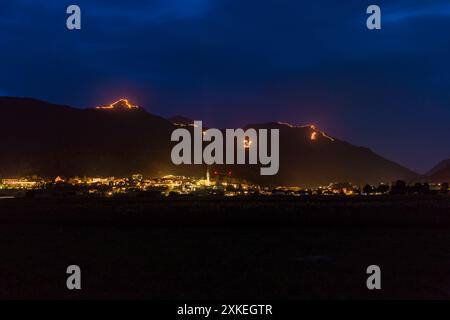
(233, 62)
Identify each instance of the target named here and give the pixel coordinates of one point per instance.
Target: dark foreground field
(225, 248)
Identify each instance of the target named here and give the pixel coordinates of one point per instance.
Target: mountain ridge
(439, 173)
(56, 140)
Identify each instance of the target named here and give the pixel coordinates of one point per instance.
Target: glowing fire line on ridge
(124, 103)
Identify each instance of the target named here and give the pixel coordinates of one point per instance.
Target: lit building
(19, 183)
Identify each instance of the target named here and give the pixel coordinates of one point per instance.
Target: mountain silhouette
(440, 172)
(40, 138)
(310, 157)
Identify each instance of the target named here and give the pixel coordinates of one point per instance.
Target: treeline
(402, 188)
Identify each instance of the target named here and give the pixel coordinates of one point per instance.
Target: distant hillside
(310, 157)
(439, 173)
(49, 140)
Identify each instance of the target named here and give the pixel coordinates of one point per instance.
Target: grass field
(216, 248)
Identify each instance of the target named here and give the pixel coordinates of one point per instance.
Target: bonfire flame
(122, 103)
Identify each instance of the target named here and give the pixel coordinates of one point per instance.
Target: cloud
(430, 10)
(150, 11)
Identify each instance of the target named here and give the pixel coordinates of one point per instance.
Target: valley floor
(317, 248)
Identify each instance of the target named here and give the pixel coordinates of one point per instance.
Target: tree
(368, 189)
(425, 188)
(418, 188)
(383, 188)
(399, 187)
(444, 188)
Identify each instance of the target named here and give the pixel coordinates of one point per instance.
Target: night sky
(233, 62)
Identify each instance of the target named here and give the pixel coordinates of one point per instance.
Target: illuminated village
(212, 184)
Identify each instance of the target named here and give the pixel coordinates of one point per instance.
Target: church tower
(208, 182)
